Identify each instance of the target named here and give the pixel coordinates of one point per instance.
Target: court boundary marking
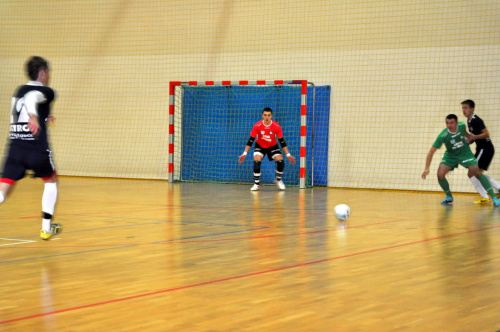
(11, 244)
(183, 240)
(155, 222)
(168, 290)
(118, 247)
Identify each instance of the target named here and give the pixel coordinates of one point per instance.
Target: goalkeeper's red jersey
(266, 135)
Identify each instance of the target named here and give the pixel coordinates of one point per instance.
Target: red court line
(166, 242)
(168, 290)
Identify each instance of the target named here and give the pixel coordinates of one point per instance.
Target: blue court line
(196, 237)
(158, 221)
(100, 228)
(129, 246)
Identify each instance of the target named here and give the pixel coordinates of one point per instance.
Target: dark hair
(469, 102)
(34, 65)
(267, 109)
(451, 116)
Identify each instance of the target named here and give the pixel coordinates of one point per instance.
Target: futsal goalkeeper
(458, 151)
(264, 135)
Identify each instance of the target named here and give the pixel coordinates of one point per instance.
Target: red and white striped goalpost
(303, 117)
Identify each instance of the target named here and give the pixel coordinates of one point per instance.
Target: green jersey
(456, 143)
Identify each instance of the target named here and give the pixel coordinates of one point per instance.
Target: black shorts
(271, 152)
(484, 155)
(22, 158)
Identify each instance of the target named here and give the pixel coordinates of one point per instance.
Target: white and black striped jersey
(476, 126)
(29, 98)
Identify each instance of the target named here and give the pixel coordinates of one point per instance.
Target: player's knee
(256, 166)
(474, 172)
(280, 165)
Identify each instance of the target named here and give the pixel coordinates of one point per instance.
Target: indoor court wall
(396, 69)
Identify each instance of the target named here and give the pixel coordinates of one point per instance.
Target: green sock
(446, 186)
(486, 185)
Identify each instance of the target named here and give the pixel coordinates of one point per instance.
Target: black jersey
(19, 131)
(476, 126)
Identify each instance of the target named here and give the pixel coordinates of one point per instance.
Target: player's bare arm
(33, 124)
(291, 159)
(243, 156)
(428, 162)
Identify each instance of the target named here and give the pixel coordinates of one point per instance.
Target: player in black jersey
(28, 142)
(484, 148)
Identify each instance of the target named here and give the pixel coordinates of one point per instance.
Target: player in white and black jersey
(484, 148)
(28, 142)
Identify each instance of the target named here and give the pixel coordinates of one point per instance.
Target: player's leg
(494, 183)
(484, 161)
(13, 170)
(257, 160)
(482, 158)
(482, 192)
(4, 191)
(43, 166)
(277, 156)
(49, 200)
(280, 167)
(475, 171)
(475, 181)
(443, 169)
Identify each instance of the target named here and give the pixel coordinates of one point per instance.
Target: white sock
(49, 197)
(494, 183)
(1, 198)
(46, 225)
(479, 187)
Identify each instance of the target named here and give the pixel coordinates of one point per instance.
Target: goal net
(210, 123)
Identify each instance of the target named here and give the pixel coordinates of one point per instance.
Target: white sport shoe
(255, 187)
(280, 184)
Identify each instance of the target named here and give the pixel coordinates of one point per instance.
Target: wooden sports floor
(153, 256)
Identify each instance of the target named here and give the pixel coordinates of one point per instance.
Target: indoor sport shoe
(482, 201)
(54, 229)
(255, 187)
(280, 184)
(496, 202)
(447, 200)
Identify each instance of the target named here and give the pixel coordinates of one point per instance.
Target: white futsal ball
(342, 212)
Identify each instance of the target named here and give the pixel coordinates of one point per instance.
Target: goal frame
(303, 117)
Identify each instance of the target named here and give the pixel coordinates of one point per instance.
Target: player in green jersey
(454, 137)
